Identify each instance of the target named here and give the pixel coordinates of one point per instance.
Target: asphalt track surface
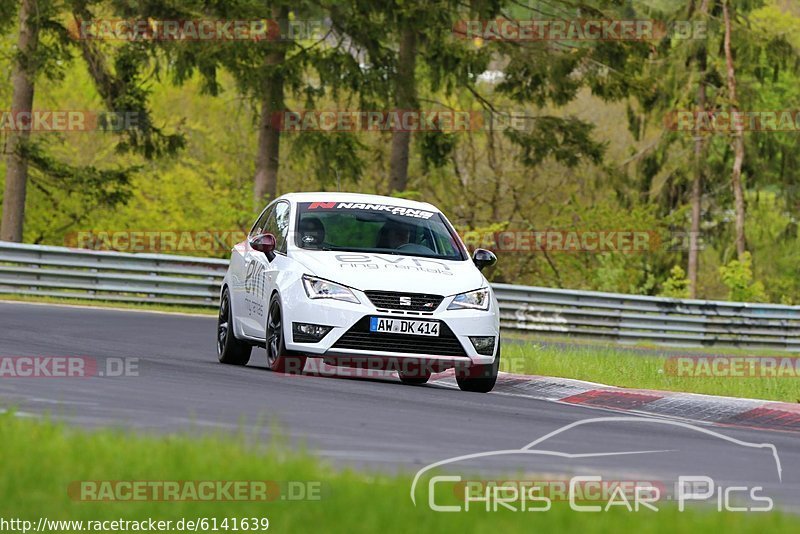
(368, 424)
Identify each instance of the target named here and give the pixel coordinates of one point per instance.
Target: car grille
(416, 301)
(360, 338)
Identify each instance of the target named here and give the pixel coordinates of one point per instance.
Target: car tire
(278, 358)
(479, 378)
(229, 349)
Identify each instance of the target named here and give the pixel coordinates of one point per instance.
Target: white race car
(360, 280)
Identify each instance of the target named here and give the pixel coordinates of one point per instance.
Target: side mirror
(264, 243)
(483, 258)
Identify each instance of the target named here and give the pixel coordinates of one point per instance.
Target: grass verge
(645, 368)
(42, 459)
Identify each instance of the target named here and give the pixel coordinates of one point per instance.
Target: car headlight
(317, 288)
(471, 300)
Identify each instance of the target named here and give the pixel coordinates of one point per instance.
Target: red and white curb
(694, 407)
(728, 411)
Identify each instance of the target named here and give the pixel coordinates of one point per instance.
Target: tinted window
(278, 225)
(379, 228)
(259, 227)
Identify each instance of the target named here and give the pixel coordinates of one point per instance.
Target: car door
(261, 277)
(277, 225)
(250, 305)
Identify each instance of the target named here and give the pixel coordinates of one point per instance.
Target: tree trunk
(699, 161)
(697, 187)
(22, 78)
(738, 139)
(405, 100)
(265, 184)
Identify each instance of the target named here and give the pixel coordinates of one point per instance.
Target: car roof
(357, 197)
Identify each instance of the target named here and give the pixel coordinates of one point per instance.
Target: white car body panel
(252, 279)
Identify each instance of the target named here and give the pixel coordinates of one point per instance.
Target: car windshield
(381, 228)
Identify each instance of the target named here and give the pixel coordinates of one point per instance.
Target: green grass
(41, 459)
(143, 306)
(641, 346)
(644, 369)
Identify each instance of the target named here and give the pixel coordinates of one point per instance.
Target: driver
(394, 235)
(312, 232)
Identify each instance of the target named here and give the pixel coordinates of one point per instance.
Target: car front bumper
(349, 318)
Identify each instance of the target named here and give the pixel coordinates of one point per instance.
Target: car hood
(388, 272)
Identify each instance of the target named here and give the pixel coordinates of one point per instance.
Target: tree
(409, 52)
(265, 184)
(120, 76)
(22, 79)
(45, 47)
(405, 98)
(271, 71)
(737, 65)
(699, 162)
(738, 137)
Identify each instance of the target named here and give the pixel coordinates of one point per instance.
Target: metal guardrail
(113, 276)
(659, 320)
(166, 279)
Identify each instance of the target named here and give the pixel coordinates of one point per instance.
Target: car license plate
(404, 326)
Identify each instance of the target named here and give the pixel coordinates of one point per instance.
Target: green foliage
(614, 274)
(66, 186)
(593, 153)
(567, 141)
(336, 159)
(677, 285)
(738, 277)
(772, 233)
(436, 148)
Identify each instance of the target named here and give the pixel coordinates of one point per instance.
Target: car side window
(281, 225)
(260, 225)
